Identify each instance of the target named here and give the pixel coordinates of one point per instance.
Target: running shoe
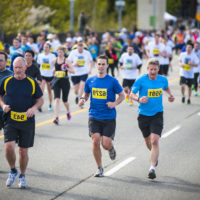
(130, 103)
(76, 100)
(50, 107)
(40, 109)
(69, 116)
(183, 99)
(22, 182)
(56, 121)
(188, 101)
(195, 93)
(112, 153)
(99, 172)
(127, 98)
(11, 178)
(152, 174)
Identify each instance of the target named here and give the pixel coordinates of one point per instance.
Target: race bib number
(18, 116)
(186, 67)
(81, 62)
(8, 62)
(99, 93)
(156, 52)
(60, 74)
(46, 66)
(154, 92)
(110, 61)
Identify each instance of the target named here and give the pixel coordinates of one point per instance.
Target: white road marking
(171, 131)
(119, 166)
(198, 113)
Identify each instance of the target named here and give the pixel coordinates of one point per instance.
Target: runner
(156, 49)
(3, 73)
(61, 69)
(102, 113)
(130, 62)
(45, 60)
(32, 68)
(20, 97)
(187, 61)
(196, 50)
(167, 54)
(150, 120)
(82, 63)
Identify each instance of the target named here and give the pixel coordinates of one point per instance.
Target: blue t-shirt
(153, 90)
(94, 51)
(102, 90)
(20, 95)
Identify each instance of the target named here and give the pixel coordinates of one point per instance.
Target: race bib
(46, 66)
(18, 116)
(81, 62)
(154, 92)
(99, 93)
(93, 51)
(129, 64)
(60, 74)
(156, 52)
(110, 61)
(186, 67)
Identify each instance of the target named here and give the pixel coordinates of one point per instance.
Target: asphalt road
(61, 164)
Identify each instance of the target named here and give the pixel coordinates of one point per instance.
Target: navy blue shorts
(78, 79)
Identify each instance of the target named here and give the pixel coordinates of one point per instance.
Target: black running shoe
(112, 153)
(188, 101)
(76, 100)
(56, 121)
(152, 174)
(40, 109)
(99, 172)
(183, 99)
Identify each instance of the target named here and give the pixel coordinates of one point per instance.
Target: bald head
(19, 66)
(19, 60)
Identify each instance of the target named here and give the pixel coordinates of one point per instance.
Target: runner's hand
(171, 98)
(6, 108)
(111, 104)
(143, 99)
(30, 112)
(81, 102)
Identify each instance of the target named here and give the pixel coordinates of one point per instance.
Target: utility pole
(71, 15)
(119, 6)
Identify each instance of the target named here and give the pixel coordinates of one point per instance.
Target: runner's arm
(170, 96)
(83, 99)
(119, 99)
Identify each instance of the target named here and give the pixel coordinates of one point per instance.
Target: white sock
(152, 167)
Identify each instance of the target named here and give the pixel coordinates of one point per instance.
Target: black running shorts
(103, 127)
(128, 83)
(21, 132)
(186, 81)
(151, 124)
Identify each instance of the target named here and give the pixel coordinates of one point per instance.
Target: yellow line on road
(51, 120)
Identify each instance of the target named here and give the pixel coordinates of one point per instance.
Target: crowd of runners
(29, 64)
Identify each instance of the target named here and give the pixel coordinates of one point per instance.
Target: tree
(14, 15)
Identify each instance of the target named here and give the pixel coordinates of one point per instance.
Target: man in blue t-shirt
(150, 120)
(3, 73)
(20, 97)
(102, 89)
